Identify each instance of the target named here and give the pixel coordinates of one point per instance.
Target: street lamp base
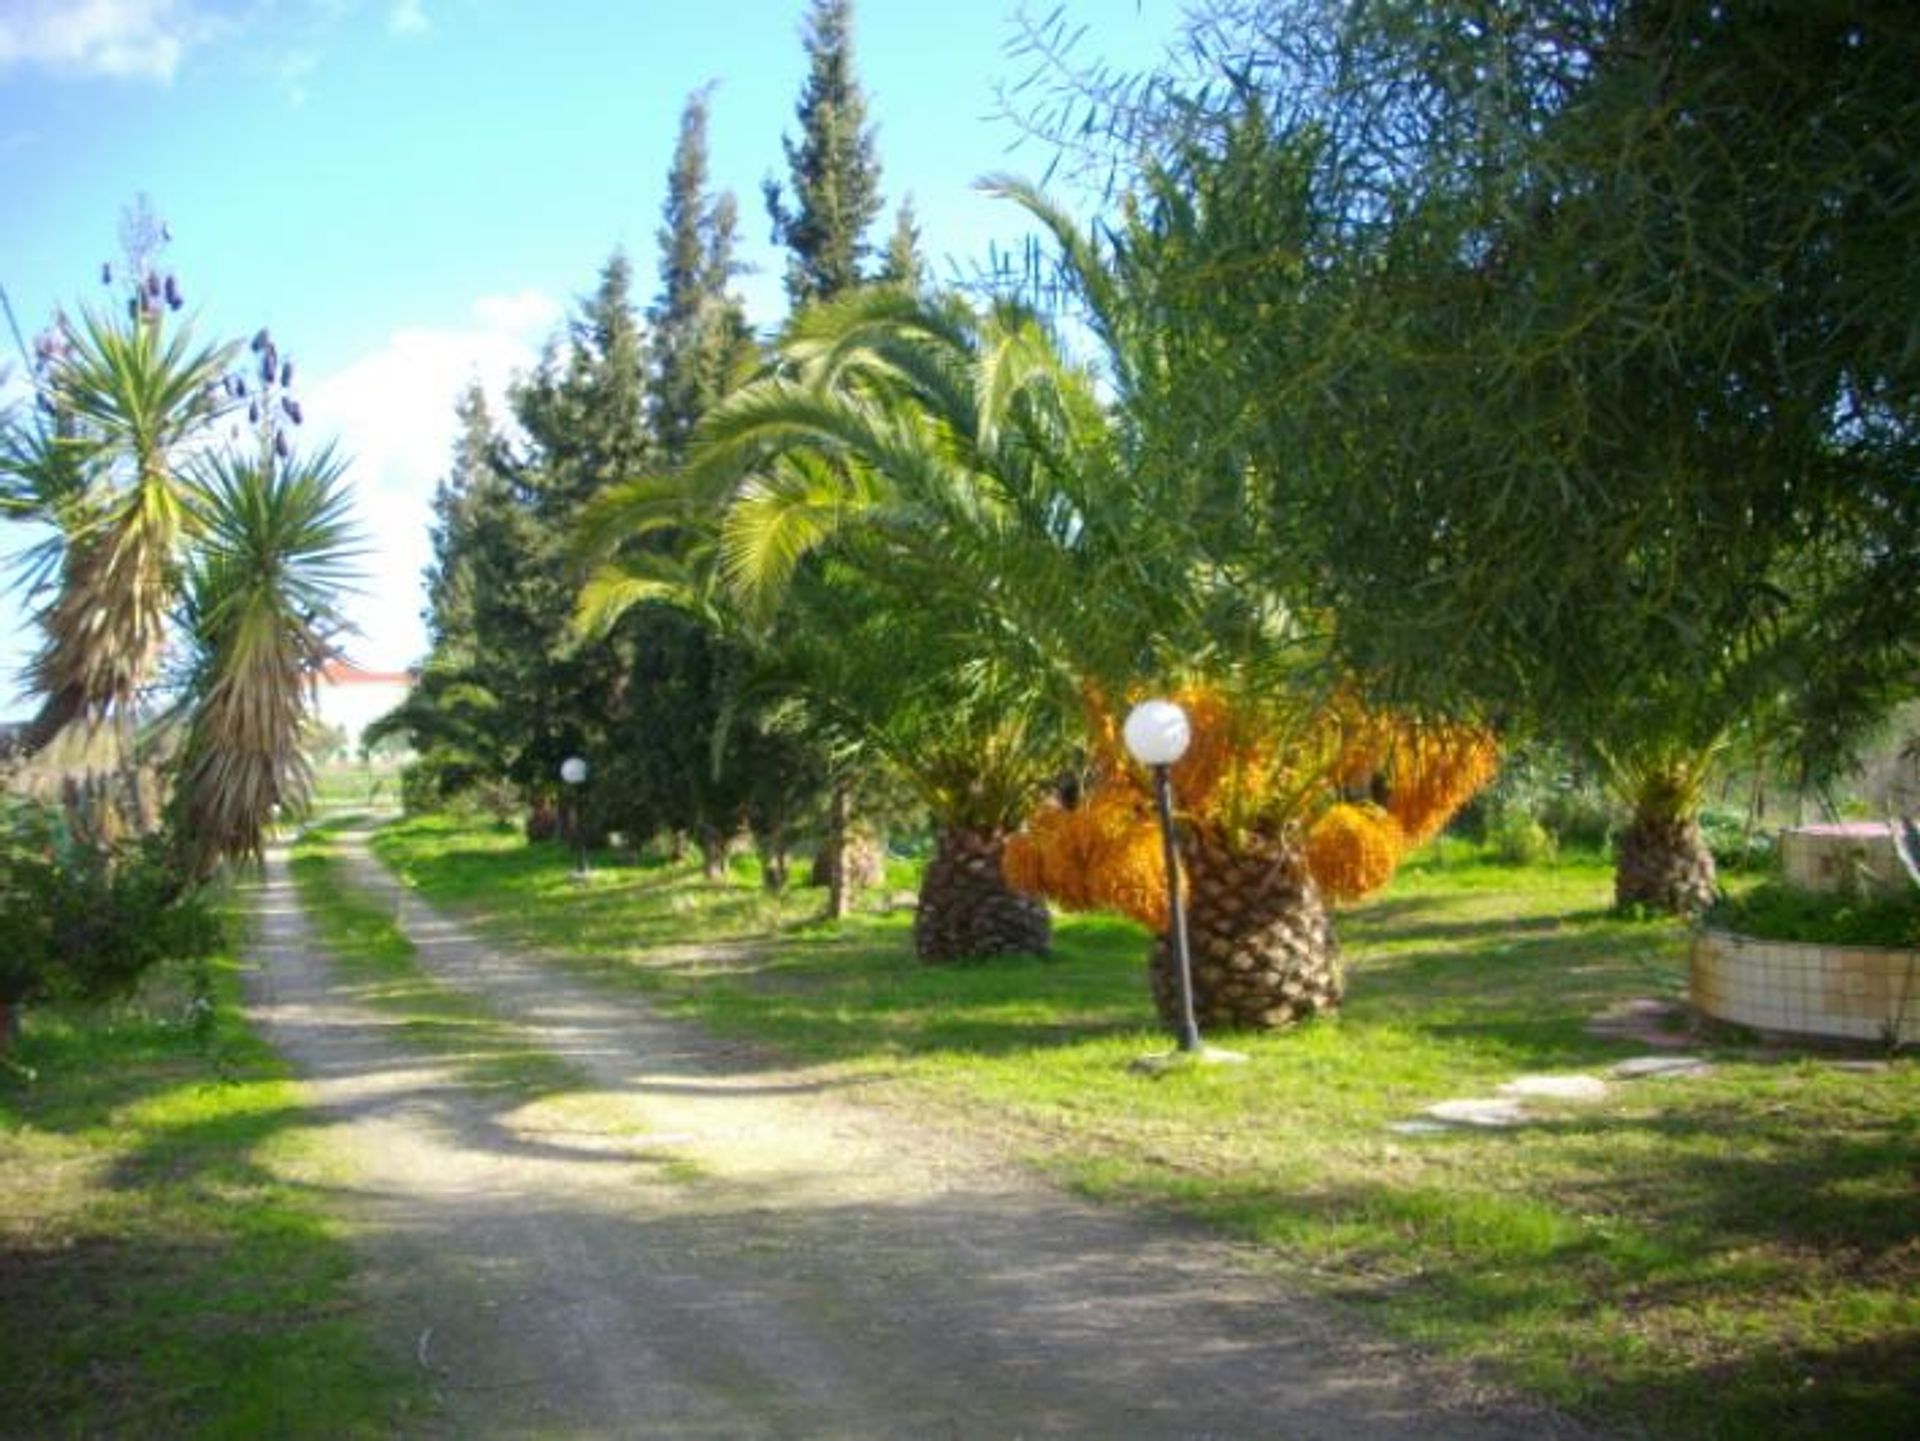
(1162, 1062)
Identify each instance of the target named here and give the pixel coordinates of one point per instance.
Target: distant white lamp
(573, 770)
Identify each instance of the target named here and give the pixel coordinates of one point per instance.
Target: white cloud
(528, 313)
(392, 412)
(120, 39)
(408, 17)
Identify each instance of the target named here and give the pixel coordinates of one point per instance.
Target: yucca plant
(274, 547)
(131, 401)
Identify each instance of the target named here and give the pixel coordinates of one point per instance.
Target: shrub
(1737, 844)
(1541, 783)
(453, 783)
(86, 923)
(1778, 912)
(1518, 839)
(1578, 814)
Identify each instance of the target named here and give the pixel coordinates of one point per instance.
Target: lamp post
(573, 770)
(1157, 733)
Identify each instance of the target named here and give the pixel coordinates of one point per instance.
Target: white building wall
(355, 705)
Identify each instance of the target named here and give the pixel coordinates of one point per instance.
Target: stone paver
(1490, 1112)
(1644, 1067)
(1555, 1088)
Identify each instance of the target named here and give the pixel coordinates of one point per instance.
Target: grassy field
(168, 1267)
(347, 786)
(1735, 1254)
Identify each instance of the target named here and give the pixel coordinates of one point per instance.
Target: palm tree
(847, 511)
(1299, 789)
(273, 548)
(1171, 604)
(895, 672)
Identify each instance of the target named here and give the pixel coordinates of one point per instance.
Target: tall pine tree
(902, 264)
(451, 718)
(835, 175)
(700, 332)
(684, 679)
(586, 412)
(833, 170)
(457, 500)
(508, 692)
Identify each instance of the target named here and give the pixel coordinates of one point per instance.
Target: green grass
(355, 785)
(169, 1268)
(1729, 1255)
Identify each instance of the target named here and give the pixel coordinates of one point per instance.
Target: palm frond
(618, 586)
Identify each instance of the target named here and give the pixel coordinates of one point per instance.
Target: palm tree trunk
(543, 819)
(839, 841)
(1264, 953)
(967, 910)
(775, 860)
(1663, 862)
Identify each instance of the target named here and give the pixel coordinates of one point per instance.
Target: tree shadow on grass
(1738, 1300)
(182, 1287)
(1538, 976)
(1425, 918)
(1742, 1175)
(145, 1334)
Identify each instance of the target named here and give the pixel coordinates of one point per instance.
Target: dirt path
(700, 1245)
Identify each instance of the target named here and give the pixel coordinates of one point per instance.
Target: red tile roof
(345, 672)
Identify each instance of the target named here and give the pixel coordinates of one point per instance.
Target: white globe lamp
(573, 770)
(1157, 732)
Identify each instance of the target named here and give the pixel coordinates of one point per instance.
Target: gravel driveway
(698, 1243)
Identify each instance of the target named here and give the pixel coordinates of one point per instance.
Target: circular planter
(1840, 993)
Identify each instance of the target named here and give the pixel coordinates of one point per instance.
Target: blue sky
(412, 192)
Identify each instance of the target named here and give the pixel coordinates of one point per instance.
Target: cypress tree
(586, 415)
(833, 170)
(457, 500)
(903, 264)
(700, 331)
(465, 717)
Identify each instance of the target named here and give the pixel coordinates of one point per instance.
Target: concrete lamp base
(1161, 1063)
